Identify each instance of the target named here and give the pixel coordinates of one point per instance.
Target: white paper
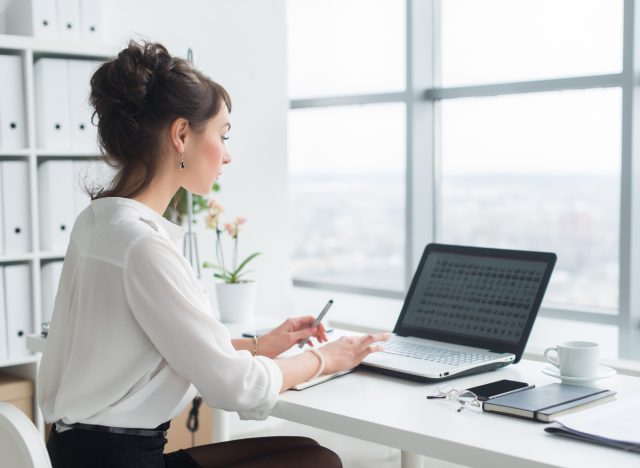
(13, 125)
(617, 420)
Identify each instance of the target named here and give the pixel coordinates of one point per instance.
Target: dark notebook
(548, 402)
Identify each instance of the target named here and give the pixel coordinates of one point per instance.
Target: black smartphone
(498, 388)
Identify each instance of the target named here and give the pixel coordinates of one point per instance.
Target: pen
(317, 321)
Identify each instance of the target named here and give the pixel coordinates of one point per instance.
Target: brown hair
(136, 97)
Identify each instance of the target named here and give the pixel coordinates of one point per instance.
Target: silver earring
(181, 165)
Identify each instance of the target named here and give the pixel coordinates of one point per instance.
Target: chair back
(21, 445)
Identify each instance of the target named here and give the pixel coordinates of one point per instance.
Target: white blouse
(132, 330)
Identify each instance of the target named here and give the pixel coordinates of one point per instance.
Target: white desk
(395, 412)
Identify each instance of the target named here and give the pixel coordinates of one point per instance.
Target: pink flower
(215, 208)
(232, 229)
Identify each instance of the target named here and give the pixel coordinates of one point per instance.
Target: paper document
(614, 424)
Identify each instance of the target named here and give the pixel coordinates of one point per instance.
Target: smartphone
(498, 388)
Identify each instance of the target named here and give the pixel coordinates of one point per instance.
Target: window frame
(422, 97)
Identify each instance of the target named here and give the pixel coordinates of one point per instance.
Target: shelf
(43, 153)
(36, 343)
(15, 258)
(55, 48)
(51, 255)
(17, 153)
(28, 359)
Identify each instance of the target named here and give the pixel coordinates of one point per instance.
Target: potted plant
(235, 293)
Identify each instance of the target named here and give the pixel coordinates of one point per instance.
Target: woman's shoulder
(111, 234)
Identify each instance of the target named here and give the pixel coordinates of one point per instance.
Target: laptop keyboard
(433, 353)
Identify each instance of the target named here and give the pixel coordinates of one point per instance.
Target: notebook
(468, 310)
(548, 402)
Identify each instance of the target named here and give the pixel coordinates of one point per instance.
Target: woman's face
(206, 152)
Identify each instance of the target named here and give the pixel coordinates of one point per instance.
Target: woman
(132, 339)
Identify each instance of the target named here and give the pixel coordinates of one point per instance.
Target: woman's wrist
(321, 365)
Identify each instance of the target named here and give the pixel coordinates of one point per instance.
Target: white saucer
(603, 373)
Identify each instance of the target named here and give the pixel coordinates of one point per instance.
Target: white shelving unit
(30, 49)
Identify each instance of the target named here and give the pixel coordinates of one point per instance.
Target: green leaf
(214, 266)
(246, 260)
(225, 278)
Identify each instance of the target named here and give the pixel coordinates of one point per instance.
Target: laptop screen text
(475, 296)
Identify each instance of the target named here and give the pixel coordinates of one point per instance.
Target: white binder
(91, 20)
(84, 135)
(82, 181)
(35, 18)
(15, 207)
(1, 216)
(52, 104)
(4, 345)
(94, 175)
(13, 125)
(51, 273)
(68, 12)
(56, 194)
(17, 288)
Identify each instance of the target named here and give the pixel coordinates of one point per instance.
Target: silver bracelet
(322, 363)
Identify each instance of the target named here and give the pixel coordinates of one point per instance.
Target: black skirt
(77, 448)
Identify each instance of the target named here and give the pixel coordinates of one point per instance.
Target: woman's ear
(178, 133)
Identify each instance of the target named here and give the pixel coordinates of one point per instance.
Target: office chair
(21, 444)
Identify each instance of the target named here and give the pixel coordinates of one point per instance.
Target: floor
(355, 453)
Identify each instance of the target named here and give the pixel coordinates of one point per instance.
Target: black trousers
(77, 448)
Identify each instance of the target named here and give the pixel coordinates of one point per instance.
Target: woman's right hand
(349, 351)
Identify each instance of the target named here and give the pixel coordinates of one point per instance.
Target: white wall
(242, 45)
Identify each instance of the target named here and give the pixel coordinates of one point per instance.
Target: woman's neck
(158, 194)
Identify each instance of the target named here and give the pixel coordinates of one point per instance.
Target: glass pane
(517, 40)
(539, 172)
(347, 194)
(341, 47)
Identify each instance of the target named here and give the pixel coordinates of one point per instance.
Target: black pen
(317, 321)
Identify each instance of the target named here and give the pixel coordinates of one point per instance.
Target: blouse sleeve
(169, 305)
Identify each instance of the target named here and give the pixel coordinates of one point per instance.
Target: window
(519, 117)
(495, 41)
(347, 159)
(538, 172)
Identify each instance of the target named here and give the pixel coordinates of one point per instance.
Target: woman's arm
(345, 353)
(283, 337)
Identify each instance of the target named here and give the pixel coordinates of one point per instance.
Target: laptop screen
(476, 295)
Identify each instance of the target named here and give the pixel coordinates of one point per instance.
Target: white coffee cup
(575, 358)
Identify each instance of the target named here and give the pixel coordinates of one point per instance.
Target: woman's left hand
(289, 333)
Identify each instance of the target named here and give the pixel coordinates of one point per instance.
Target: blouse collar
(175, 232)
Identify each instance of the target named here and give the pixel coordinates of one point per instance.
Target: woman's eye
(225, 138)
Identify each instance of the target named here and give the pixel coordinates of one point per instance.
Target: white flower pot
(236, 301)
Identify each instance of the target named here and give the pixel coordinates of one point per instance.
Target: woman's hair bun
(136, 96)
(133, 74)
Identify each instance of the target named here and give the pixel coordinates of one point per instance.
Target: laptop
(468, 310)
